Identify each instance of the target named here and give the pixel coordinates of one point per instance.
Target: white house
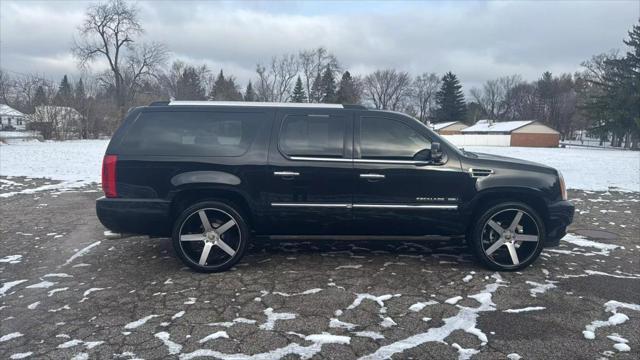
(11, 119)
(62, 119)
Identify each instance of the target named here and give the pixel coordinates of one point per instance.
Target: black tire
(225, 249)
(496, 250)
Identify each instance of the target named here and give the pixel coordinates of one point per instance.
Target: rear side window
(314, 136)
(382, 138)
(192, 133)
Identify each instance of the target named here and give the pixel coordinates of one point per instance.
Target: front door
(310, 178)
(395, 194)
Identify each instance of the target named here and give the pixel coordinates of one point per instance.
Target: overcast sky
(476, 40)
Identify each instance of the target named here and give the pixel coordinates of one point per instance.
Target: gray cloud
(476, 40)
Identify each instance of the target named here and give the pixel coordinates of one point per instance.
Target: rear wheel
(210, 236)
(508, 236)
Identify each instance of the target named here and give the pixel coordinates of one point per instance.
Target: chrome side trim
(255, 104)
(406, 206)
(320, 205)
(305, 158)
(368, 206)
(410, 162)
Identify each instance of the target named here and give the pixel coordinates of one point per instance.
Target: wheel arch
(487, 198)
(184, 198)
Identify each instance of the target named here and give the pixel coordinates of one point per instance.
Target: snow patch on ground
(584, 242)
(172, 347)
(215, 335)
(539, 288)
(10, 336)
(8, 285)
(421, 305)
(81, 252)
(272, 317)
(11, 259)
(464, 320)
(526, 309)
(617, 318)
(139, 322)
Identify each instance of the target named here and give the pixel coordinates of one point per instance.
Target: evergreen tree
(189, 85)
(316, 89)
(347, 90)
(328, 86)
(39, 98)
(80, 95)
(64, 94)
(450, 100)
(249, 94)
(299, 96)
(225, 89)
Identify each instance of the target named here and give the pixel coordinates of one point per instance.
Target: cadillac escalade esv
(213, 175)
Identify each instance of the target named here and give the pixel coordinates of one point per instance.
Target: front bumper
(135, 216)
(560, 216)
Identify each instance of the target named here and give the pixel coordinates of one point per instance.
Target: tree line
(601, 99)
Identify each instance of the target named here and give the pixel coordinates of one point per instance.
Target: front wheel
(508, 236)
(210, 236)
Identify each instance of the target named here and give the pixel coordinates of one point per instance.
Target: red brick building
(528, 133)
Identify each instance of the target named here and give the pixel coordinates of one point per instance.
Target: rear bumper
(560, 216)
(135, 216)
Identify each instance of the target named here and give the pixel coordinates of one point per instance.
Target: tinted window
(191, 133)
(317, 136)
(382, 138)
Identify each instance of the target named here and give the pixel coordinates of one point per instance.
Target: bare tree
(275, 82)
(493, 97)
(109, 32)
(387, 88)
(313, 63)
(425, 87)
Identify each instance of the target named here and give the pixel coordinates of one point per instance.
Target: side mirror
(423, 155)
(436, 154)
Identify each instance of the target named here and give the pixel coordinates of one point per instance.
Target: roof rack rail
(159, 103)
(253, 104)
(354, 106)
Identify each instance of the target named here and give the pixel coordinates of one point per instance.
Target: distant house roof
(489, 126)
(6, 110)
(442, 125)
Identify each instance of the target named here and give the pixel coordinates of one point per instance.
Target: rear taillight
(109, 176)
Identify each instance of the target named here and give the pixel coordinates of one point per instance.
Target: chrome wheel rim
(510, 237)
(210, 237)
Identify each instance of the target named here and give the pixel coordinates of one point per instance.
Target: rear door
(310, 177)
(396, 195)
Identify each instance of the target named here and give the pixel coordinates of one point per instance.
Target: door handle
(372, 176)
(286, 174)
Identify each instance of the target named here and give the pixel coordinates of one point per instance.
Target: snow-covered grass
(78, 162)
(583, 168)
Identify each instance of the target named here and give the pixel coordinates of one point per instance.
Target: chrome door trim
(320, 205)
(305, 158)
(407, 206)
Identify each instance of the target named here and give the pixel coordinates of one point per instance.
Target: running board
(365, 237)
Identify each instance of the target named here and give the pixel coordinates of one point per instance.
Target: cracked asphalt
(66, 292)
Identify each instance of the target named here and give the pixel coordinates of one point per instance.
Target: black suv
(213, 175)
